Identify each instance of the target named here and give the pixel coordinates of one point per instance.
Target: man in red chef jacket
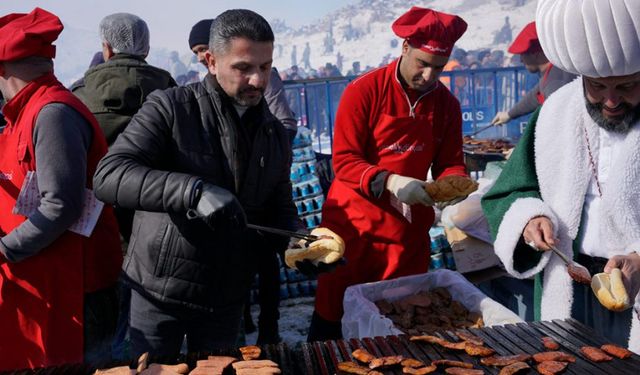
(393, 125)
(56, 286)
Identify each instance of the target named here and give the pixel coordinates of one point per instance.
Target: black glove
(218, 206)
(306, 267)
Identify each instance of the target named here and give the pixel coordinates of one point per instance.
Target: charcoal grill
(322, 357)
(280, 353)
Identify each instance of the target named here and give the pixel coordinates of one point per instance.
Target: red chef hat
(527, 41)
(431, 31)
(23, 35)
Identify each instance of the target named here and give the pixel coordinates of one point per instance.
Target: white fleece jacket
(563, 170)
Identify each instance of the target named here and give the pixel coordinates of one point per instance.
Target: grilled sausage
(616, 351)
(363, 355)
(254, 364)
(504, 360)
(553, 356)
(259, 371)
(551, 367)
(549, 343)
(595, 354)
(180, 368)
(250, 352)
(353, 368)
(378, 363)
(466, 336)
(410, 362)
(478, 350)
(514, 368)
(451, 363)
(463, 371)
(420, 371)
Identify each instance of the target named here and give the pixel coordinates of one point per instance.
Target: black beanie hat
(200, 33)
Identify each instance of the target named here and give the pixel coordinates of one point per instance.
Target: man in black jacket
(268, 265)
(196, 163)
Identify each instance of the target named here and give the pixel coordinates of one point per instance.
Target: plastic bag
(363, 319)
(468, 215)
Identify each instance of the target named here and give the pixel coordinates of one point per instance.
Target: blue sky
(170, 20)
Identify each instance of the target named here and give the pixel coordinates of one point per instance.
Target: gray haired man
(196, 163)
(116, 89)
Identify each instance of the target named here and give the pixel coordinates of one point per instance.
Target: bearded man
(572, 182)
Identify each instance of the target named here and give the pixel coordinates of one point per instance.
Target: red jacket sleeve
(351, 138)
(450, 159)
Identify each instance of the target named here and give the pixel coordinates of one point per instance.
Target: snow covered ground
(295, 316)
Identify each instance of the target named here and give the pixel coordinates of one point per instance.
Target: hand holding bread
(627, 275)
(449, 188)
(610, 290)
(328, 249)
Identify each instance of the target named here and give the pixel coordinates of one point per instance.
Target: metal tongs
(285, 233)
(482, 129)
(577, 271)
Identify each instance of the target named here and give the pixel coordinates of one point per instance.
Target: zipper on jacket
(412, 108)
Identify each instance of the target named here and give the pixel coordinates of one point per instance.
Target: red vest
(41, 297)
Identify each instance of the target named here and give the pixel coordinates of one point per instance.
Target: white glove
(408, 190)
(501, 118)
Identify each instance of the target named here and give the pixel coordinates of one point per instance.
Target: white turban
(595, 38)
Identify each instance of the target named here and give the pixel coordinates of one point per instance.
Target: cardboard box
(470, 254)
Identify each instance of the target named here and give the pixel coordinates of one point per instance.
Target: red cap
(23, 35)
(431, 31)
(527, 41)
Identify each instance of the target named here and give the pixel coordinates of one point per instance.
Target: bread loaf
(610, 290)
(450, 187)
(328, 249)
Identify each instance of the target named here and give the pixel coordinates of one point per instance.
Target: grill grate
(280, 353)
(322, 357)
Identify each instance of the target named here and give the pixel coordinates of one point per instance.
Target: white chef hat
(595, 38)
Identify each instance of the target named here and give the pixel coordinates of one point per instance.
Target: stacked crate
(308, 198)
(306, 189)
(441, 254)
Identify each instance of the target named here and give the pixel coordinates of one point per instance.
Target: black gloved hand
(218, 206)
(306, 267)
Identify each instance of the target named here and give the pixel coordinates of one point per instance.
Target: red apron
(380, 243)
(41, 297)
(543, 81)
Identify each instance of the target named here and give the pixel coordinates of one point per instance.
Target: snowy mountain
(360, 31)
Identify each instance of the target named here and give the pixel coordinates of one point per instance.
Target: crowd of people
(129, 203)
(460, 60)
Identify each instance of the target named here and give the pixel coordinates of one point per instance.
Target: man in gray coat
(114, 91)
(196, 163)
(528, 47)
